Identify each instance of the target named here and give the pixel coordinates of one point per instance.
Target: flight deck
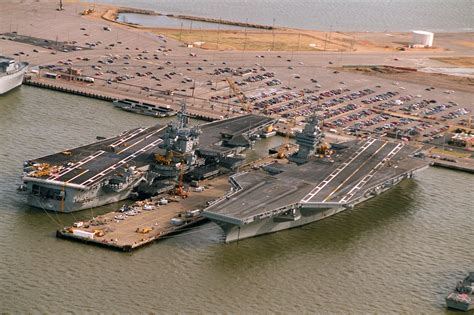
(112, 169)
(356, 171)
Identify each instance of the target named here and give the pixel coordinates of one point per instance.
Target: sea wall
(112, 14)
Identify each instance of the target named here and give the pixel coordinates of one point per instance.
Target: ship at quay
(144, 160)
(11, 74)
(312, 187)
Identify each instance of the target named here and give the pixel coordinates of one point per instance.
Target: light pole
(273, 34)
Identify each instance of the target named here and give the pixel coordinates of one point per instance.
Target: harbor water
(325, 15)
(401, 252)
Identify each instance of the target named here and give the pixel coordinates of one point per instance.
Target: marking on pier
(338, 170)
(366, 178)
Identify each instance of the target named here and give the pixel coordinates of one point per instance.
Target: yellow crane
(283, 150)
(240, 95)
(179, 190)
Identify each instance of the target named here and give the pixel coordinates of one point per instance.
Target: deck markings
(128, 137)
(139, 141)
(367, 177)
(120, 163)
(353, 173)
(338, 170)
(76, 165)
(77, 176)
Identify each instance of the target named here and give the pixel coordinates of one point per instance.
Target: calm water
(344, 15)
(170, 22)
(398, 253)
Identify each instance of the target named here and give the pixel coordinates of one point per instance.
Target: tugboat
(462, 298)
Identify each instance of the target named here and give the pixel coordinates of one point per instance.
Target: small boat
(22, 189)
(462, 298)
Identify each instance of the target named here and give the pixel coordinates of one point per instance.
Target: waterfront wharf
(148, 220)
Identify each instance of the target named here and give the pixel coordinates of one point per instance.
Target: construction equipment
(268, 129)
(283, 150)
(164, 159)
(41, 170)
(324, 149)
(88, 11)
(240, 96)
(179, 189)
(99, 233)
(144, 230)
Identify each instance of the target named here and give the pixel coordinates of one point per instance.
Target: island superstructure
(316, 186)
(113, 169)
(11, 73)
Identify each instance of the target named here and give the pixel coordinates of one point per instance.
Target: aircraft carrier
(112, 169)
(314, 186)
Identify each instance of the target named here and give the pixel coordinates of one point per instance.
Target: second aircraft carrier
(284, 196)
(112, 169)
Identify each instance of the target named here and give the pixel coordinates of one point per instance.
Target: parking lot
(286, 85)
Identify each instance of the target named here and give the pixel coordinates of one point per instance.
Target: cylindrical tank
(422, 38)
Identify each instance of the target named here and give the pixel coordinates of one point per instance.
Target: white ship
(11, 73)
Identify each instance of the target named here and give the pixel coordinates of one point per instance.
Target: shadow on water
(333, 235)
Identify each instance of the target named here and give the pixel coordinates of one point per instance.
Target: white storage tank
(422, 38)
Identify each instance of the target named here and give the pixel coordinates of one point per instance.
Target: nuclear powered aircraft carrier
(283, 196)
(112, 169)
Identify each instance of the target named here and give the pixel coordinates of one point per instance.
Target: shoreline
(259, 37)
(112, 14)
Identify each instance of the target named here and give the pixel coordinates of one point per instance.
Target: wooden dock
(150, 220)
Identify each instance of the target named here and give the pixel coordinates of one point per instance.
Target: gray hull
(459, 305)
(69, 206)
(275, 224)
(298, 217)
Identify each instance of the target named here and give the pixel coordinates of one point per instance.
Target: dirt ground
(443, 81)
(457, 61)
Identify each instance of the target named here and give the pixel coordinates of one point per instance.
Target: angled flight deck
(263, 203)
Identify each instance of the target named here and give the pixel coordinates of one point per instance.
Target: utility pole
(218, 33)
(245, 38)
(298, 44)
(273, 34)
(181, 31)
